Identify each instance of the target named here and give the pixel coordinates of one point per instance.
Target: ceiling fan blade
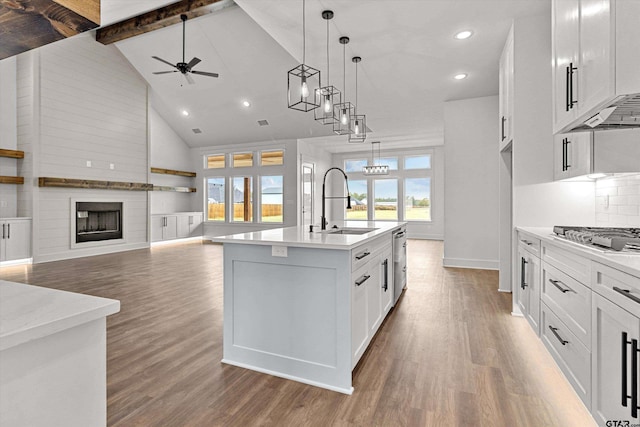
(166, 62)
(193, 62)
(189, 78)
(165, 72)
(204, 73)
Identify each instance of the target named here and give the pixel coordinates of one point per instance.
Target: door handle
(567, 107)
(385, 265)
(625, 396)
(523, 272)
(362, 255)
(363, 279)
(571, 101)
(564, 154)
(627, 293)
(555, 332)
(634, 378)
(566, 149)
(3, 230)
(503, 135)
(8, 231)
(560, 288)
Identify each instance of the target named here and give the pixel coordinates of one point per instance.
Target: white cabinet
(572, 154)
(15, 242)
(615, 331)
(506, 92)
(386, 281)
(176, 226)
(528, 292)
(595, 45)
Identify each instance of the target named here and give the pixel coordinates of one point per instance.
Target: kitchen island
(305, 305)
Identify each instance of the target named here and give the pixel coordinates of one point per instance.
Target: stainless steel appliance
(625, 240)
(399, 262)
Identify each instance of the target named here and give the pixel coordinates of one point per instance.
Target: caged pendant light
(373, 168)
(329, 95)
(302, 79)
(358, 121)
(344, 110)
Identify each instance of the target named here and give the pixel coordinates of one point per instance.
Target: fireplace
(98, 221)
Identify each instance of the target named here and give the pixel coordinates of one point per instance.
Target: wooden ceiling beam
(159, 18)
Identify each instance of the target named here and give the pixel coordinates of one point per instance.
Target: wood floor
(449, 354)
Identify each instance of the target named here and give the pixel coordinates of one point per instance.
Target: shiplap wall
(8, 140)
(83, 102)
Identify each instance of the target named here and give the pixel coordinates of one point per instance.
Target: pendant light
(373, 168)
(344, 110)
(301, 79)
(327, 96)
(358, 121)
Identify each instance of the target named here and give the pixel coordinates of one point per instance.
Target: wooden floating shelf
(11, 180)
(173, 172)
(177, 189)
(14, 154)
(89, 183)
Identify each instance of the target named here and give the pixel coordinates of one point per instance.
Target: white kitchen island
(52, 357)
(305, 306)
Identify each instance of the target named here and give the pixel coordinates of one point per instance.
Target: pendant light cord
(355, 107)
(183, 36)
(344, 70)
(328, 53)
(303, 36)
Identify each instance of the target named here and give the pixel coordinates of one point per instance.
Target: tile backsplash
(618, 201)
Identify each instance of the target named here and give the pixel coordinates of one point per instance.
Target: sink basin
(352, 231)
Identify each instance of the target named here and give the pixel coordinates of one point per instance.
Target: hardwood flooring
(449, 354)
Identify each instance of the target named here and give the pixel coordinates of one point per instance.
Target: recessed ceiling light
(463, 34)
(185, 113)
(460, 76)
(246, 103)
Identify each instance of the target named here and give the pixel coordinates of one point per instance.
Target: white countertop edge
(297, 237)
(69, 310)
(629, 264)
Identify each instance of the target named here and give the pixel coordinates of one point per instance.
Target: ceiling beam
(159, 18)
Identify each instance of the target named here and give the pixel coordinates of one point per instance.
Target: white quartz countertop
(627, 262)
(301, 237)
(32, 312)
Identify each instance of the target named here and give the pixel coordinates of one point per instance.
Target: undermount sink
(351, 231)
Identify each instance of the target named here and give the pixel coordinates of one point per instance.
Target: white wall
(81, 101)
(618, 201)
(471, 183)
(312, 152)
(169, 151)
(8, 136)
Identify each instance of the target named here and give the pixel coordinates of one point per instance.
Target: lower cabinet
(176, 226)
(15, 241)
(386, 281)
(528, 292)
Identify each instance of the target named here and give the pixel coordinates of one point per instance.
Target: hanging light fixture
(374, 168)
(358, 121)
(301, 79)
(327, 96)
(344, 110)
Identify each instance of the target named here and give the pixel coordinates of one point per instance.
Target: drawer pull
(363, 279)
(634, 378)
(526, 242)
(362, 255)
(554, 330)
(560, 288)
(627, 293)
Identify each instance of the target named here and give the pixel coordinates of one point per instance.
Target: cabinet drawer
(364, 253)
(571, 264)
(529, 243)
(569, 300)
(573, 358)
(618, 287)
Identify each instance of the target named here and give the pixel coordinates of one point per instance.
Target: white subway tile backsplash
(623, 209)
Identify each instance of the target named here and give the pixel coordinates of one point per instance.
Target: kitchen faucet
(323, 219)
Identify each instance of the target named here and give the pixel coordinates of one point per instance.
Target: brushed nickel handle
(560, 288)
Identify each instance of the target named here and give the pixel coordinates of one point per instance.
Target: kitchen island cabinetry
(305, 306)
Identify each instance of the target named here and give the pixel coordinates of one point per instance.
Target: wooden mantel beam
(159, 18)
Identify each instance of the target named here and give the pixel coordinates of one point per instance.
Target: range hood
(623, 113)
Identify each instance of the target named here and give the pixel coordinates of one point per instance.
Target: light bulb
(304, 90)
(327, 104)
(343, 118)
(357, 127)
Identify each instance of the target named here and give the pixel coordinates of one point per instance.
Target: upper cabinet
(506, 93)
(596, 45)
(572, 154)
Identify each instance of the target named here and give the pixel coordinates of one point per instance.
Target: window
(216, 161)
(215, 199)
(354, 165)
(358, 193)
(271, 198)
(271, 158)
(386, 202)
(242, 199)
(242, 160)
(417, 162)
(417, 199)
(392, 162)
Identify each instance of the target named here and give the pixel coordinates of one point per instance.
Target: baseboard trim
(479, 264)
(81, 253)
(508, 291)
(172, 241)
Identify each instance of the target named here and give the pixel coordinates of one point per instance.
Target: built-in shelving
(14, 154)
(176, 189)
(173, 172)
(11, 180)
(95, 184)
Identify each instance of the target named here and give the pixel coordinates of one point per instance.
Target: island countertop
(301, 237)
(31, 312)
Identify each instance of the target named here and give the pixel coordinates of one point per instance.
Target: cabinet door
(565, 45)
(596, 66)
(183, 225)
(195, 225)
(157, 227)
(386, 282)
(533, 282)
(560, 158)
(374, 298)
(17, 240)
(506, 92)
(609, 323)
(522, 294)
(359, 329)
(579, 152)
(170, 230)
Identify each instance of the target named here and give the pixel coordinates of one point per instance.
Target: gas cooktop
(616, 239)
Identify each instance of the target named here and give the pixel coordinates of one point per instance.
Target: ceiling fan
(184, 67)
